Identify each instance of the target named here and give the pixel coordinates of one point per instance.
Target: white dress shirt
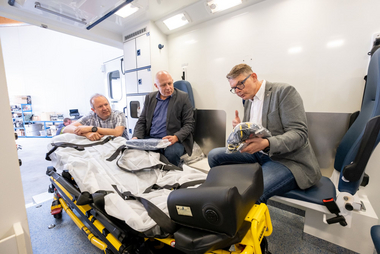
(257, 106)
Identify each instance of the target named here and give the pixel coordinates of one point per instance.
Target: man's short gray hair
(239, 69)
(96, 96)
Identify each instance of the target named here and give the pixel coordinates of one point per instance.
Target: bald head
(164, 84)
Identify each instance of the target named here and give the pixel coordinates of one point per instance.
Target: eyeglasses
(240, 85)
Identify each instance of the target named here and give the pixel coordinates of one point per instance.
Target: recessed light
(221, 5)
(176, 21)
(127, 10)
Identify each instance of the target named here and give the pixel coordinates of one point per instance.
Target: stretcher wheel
(58, 216)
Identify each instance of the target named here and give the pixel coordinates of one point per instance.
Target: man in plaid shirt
(102, 121)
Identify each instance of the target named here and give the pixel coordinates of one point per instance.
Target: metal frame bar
(109, 14)
(38, 6)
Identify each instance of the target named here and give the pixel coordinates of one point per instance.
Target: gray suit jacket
(284, 116)
(179, 120)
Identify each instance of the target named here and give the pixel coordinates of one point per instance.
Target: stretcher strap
(154, 212)
(117, 152)
(75, 146)
(165, 167)
(175, 186)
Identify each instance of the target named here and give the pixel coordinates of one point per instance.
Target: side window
(114, 85)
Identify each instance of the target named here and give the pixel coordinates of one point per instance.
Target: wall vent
(134, 34)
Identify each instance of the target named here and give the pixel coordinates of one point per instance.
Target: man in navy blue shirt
(167, 114)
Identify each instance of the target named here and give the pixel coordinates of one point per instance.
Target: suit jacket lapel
(170, 106)
(152, 107)
(267, 98)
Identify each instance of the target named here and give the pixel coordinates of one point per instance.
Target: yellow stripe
(94, 240)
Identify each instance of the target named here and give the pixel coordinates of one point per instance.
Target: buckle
(127, 195)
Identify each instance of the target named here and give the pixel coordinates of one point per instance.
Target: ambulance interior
(323, 49)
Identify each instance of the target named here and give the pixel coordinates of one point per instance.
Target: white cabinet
(138, 77)
(144, 81)
(130, 55)
(142, 60)
(143, 51)
(139, 81)
(131, 82)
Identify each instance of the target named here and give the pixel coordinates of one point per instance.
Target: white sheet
(92, 172)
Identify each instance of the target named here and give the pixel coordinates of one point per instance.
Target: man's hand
(81, 130)
(93, 136)
(254, 145)
(134, 138)
(236, 120)
(173, 139)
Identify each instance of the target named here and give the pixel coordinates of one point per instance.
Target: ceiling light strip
(38, 6)
(109, 14)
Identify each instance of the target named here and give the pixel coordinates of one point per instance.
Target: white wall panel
(267, 36)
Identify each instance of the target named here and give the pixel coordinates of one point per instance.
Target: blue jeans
(173, 153)
(277, 177)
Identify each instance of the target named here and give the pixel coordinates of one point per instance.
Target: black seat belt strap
(75, 146)
(173, 186)
(154, 212)
(117, 152)
(164, 167)
(333, 208)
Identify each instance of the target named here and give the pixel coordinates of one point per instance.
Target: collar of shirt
(99, 119)
(159, 98)
(260, 94)
(257, 105)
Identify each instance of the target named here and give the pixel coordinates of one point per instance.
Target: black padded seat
(222, 202)
(195, 241)
(324, 189)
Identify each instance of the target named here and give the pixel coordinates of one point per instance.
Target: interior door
(115, 85)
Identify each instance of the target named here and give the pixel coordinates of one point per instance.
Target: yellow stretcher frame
(258, 216)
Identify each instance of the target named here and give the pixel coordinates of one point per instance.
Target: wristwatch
(266, 149)
(94, 129)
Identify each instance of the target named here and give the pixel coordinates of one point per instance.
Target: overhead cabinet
(137, 52)
(137, 65)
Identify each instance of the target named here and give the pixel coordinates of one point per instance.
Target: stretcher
(131, 201)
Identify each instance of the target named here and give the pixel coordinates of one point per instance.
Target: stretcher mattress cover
(92, 172)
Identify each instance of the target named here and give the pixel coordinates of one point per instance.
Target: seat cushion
(324, 189)
(375, 234)
(195, 241)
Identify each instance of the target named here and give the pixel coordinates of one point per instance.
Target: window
(114, 85)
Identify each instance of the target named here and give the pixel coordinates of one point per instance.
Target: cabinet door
(144, 81)
(143, 50)
(131, 82)
(130, 55)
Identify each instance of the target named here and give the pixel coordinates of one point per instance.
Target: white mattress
(92, 172)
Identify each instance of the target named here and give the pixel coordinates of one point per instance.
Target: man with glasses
(287, 159)
(167, 114)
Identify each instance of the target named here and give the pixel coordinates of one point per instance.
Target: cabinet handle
(140, 81)
(138, 52)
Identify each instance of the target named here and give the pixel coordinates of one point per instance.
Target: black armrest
(355, 170)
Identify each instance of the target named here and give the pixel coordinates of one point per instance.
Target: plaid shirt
(116, 119)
